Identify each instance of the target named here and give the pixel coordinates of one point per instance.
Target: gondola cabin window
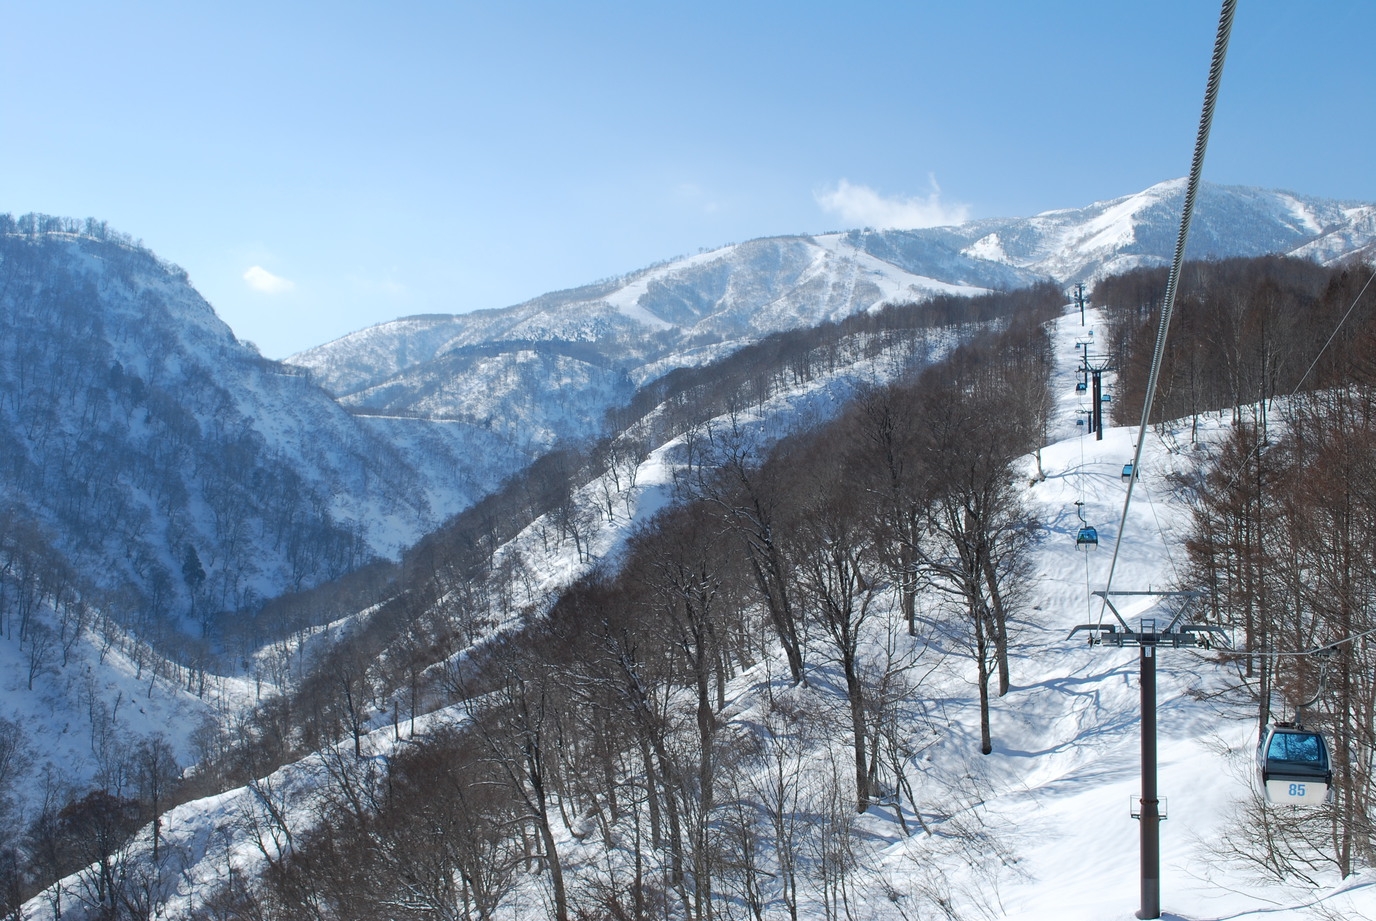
(1301, 748)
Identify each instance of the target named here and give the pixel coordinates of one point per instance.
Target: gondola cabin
(1294, 766)
(1081, 386)
(1127, 471)
(1087, 539)
(1105, 398)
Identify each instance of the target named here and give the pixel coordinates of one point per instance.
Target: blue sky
(317, 168)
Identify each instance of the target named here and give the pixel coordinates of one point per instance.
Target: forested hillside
(160, 476)
(607, 746)
(486, 569)
(608, 714)
(433, 642)
(137, 447)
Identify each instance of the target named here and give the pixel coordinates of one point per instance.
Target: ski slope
(1066, 768)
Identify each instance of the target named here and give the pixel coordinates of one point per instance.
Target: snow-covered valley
(1038, 829)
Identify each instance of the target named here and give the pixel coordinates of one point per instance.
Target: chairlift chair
(1087, 538)
(1294, 766)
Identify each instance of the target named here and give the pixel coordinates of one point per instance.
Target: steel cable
(1206, 118)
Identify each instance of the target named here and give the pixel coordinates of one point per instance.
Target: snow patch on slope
(987, 247)
(1304, 215)
(627, 299)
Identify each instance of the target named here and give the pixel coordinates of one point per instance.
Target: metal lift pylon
(1147, 639)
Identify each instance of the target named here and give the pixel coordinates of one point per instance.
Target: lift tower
(1095, 367)
(1148, 639)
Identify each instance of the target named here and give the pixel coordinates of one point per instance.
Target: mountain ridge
(689, 310)
(138, 433)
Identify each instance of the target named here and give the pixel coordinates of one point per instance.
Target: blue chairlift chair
(1087, 538)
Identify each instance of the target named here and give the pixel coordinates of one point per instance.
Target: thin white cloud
(377, 287)
(861, 206)
(260, 279)
(696, 197)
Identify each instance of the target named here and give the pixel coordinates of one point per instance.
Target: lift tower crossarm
(1175, 635)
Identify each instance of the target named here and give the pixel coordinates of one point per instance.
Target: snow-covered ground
(1054, 798)
(87, 717)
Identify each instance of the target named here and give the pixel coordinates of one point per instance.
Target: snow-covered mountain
(171, 467)
(551, 367)
(592, 344)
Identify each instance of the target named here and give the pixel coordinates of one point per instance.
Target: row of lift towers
(1293, 762)
(1091, 371)
(1291, 759)
(1147, 638)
